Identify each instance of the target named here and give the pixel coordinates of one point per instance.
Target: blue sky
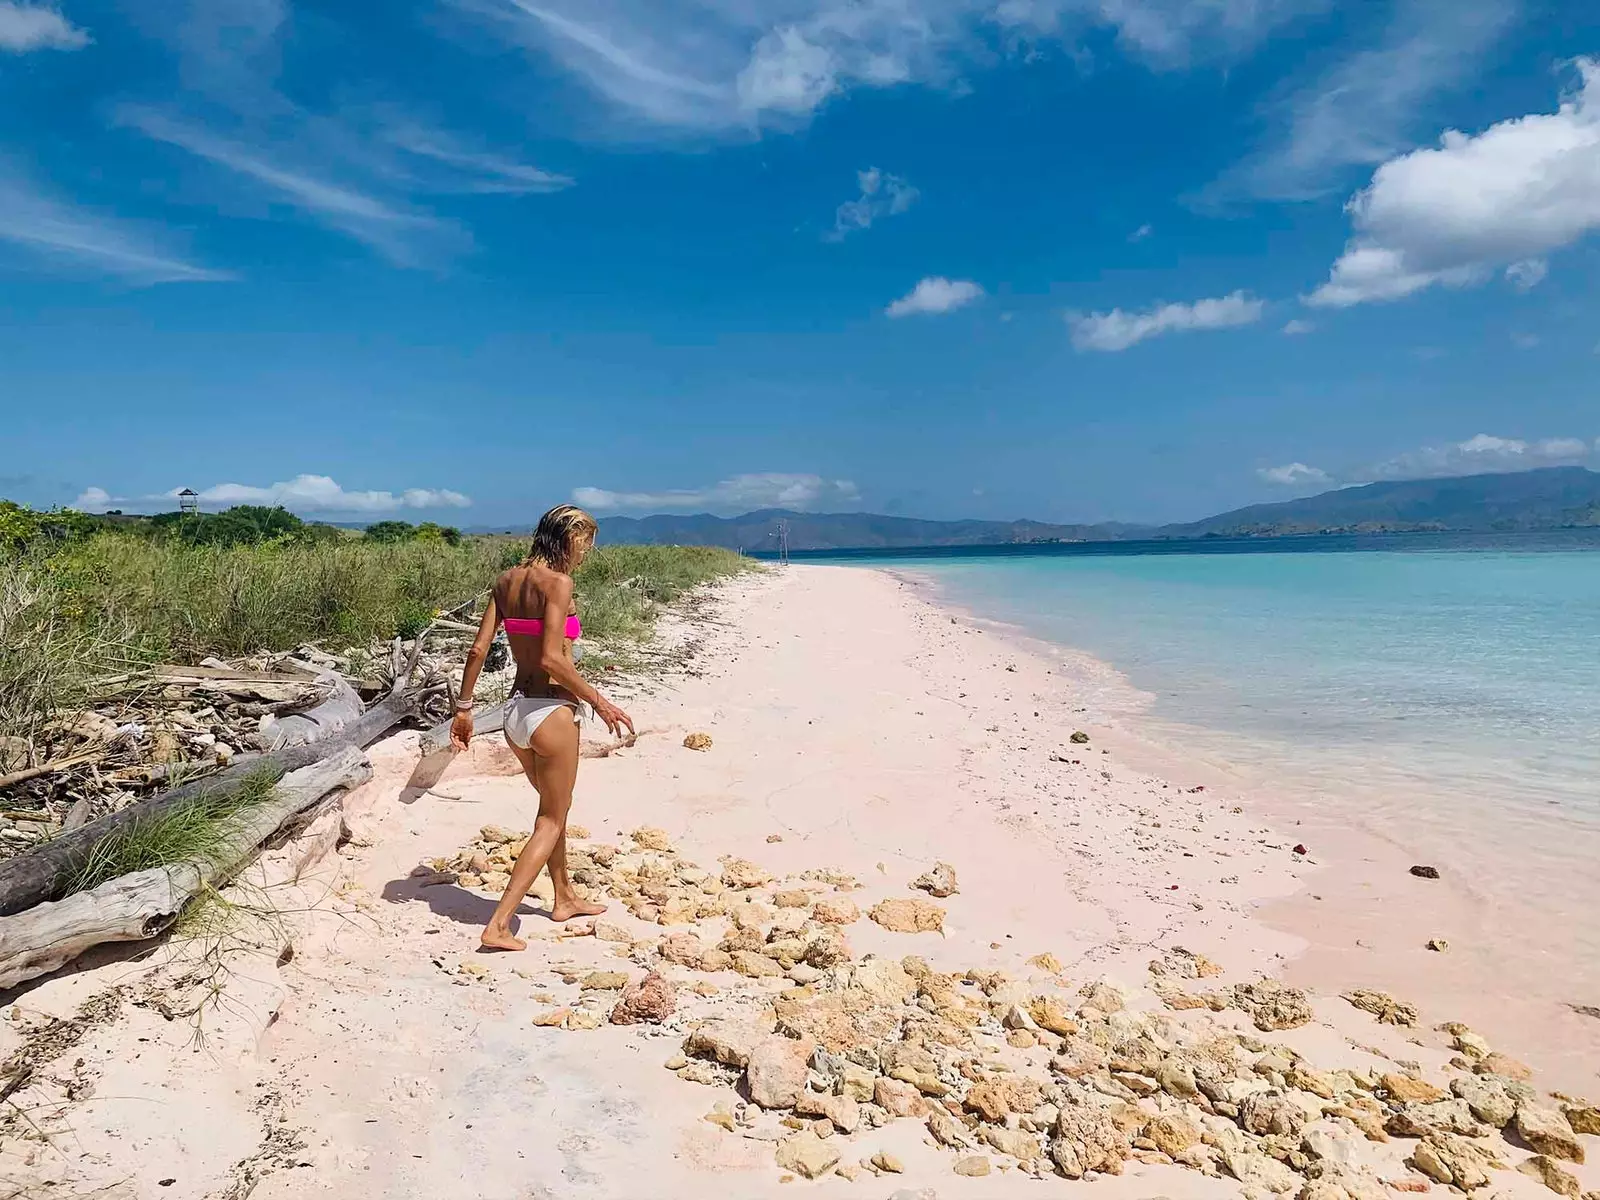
(1064, 259)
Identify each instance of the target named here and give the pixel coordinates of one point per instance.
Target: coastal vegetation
(86, 598)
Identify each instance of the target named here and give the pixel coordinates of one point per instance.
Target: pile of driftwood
(163, 724)
(316, 754)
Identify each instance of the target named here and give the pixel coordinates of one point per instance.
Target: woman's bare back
(520, 593)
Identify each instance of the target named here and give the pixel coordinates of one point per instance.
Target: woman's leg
(551, 764)
(567, 903)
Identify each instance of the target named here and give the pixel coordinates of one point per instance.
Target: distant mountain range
(1549, 498)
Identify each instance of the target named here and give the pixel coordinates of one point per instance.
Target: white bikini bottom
(524, 715)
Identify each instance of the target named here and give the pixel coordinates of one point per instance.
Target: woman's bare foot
(496, 938)
(565, 910)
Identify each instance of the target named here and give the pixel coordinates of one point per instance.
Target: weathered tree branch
(144, 904)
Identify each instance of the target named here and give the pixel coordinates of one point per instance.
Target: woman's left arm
(461, 727)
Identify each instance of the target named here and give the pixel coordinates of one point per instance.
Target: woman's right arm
(461, 726)
(557, 663)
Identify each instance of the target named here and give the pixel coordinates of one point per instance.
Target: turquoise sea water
(1466, 681)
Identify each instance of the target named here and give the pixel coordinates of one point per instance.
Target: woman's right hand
(616, 720)
(461, 730)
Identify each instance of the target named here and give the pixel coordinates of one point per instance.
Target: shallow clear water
(1370, 678)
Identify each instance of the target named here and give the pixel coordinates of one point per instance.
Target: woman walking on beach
(534, 601)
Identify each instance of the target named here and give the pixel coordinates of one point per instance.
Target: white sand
(870, 731)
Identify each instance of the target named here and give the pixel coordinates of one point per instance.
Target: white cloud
(1527, 274)
(70, 237)
(735, 65)
(935, 294)
(1479, 455)
(1450, 216)
(1139, 234)
(471, 169)
(1117, 330)
(397, 233)
(1295, 474)
(302, 494)
(742, 493)
(1364, 108)
(882, 195)
(1296, 327)
(25, 27)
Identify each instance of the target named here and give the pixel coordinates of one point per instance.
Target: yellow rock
(699, 741)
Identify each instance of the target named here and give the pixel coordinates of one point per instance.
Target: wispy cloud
(1297, 327)
(26, 27)
(1450, 216)
(741, 493)
(391, 230)
(1482, 454)
(1118, 330)
(882, 195)
(472, 169)
(65, 236)
(737, 65)
(1139, 234)
(935, 294)
(302, 494)
(1295, 474)
(1366, 107)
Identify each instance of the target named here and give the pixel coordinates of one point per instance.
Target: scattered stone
(650, 1001)
(1088, 1139)
(650, 838)
(721, 1117)
(792, 898)
(1550, 1173)
(898, 1098)
(610, 931)
(727, 1042)
(908, 916)
(939, 881)
(807, 1155)
(1079, 738)
(682, 947)
(1047, 963)
(742, 875)
(1448, 1159)
(493, 835)
(551, 1018)
(1259, 1172)
(1300, 849)
(1385, 1007)
(1438, 944)
(1267, 1113)
(716, 960)
(1172, 1134)
(887, 1163)
(1049, 1013)
(584, 1018)
(776, 1070)
(1425, 872)
(835, 910)
(773, 838)
(1488, 1100)
(755, 966)
(1582, 1116)
(603, 981)
(1408, 1089)
(1272, 1005)
(1547, 1132)
(700, 741)
(975, 1165)
(1504, 1065)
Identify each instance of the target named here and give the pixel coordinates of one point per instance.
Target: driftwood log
(484, 720)
(341, 707)
(45, 874)
(144, 904)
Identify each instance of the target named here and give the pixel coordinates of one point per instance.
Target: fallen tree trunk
(45, 874)
(484, 720)
(145, 903)
(315, 724)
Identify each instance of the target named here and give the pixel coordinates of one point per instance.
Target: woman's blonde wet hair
(558, 535)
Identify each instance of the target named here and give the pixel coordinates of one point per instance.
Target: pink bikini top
(534, 626)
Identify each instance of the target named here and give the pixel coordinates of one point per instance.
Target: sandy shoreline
(1520, 962)
(856, 727)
